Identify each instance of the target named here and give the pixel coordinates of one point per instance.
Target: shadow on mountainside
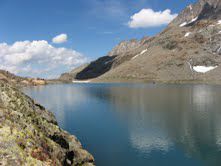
(96, 68)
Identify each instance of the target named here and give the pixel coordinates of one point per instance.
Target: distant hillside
(188, 50)
(20, 81)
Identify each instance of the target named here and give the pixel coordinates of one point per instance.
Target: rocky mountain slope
(72, 74)
(188, 50)
(123, 52)
(29, 134)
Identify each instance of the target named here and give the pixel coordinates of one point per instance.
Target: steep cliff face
(29, 134)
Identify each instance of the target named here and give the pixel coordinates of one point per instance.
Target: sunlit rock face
(124, 47)
(197, 10)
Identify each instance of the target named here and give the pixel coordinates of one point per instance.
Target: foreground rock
(29, 134)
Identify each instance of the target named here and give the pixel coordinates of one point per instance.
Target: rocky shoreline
(30, 135)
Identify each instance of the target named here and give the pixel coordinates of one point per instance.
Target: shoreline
(35, 138)
(145, 81)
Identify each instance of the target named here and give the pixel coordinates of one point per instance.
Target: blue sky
(93, 27)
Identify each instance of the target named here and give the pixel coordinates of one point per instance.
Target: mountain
(188, 50)
(123, 52)
(72, 74)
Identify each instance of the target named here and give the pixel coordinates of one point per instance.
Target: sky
(44, 38)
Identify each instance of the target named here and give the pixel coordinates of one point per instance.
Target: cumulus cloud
(38, 58)
(62, 38)
(149, 18)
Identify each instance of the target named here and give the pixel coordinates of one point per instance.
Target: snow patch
(183, 24)
(135, 56)
(219, 22)
(78, 81)
(142, 52)
(186, 23)
(187, 34)
(193, 20)
(203, 69)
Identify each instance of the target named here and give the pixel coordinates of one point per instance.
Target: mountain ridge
(188, 50)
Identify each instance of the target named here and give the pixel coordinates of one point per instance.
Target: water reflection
(147, 141)
(181, 123)
(57, 99)
(203, 97)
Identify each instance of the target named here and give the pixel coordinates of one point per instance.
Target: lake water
(140, 124)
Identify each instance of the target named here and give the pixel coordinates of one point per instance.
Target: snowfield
(193, 20)
(186, 23)
(142, 52)
(203, 69)
(78, 81)
(183, 24)
(187, 34)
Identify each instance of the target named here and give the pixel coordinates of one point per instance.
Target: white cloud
(62, 38)
(38, 58)
(148, 18)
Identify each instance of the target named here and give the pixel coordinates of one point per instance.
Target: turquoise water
(140, 124)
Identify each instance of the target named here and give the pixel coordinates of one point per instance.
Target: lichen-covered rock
(29, 134)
